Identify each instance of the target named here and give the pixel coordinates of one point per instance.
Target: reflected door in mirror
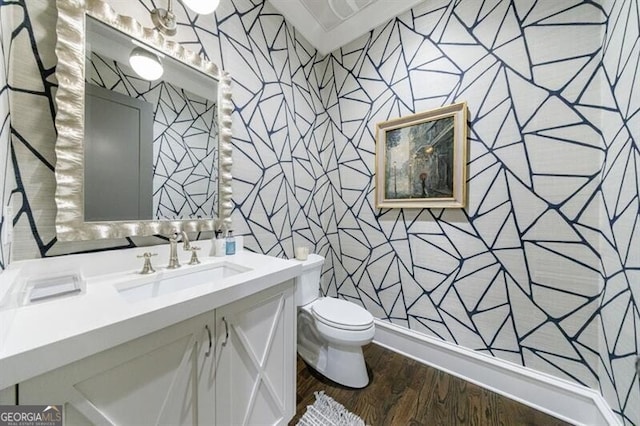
(118, 151)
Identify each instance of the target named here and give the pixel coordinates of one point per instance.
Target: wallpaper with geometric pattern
(540, 269)
(619, 311)
(6, 170)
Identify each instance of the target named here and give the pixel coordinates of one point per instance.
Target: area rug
(328, 412)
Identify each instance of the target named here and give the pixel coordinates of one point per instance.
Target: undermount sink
(170, 281)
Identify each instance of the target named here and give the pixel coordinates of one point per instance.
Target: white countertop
(42, 336)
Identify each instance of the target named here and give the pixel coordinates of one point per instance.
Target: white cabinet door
(165, 377)
(255, 350)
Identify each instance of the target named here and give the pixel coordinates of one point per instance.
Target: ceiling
(331, 24)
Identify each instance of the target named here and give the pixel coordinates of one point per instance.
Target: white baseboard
(560, 398)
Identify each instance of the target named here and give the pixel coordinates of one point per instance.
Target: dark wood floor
(405, 392)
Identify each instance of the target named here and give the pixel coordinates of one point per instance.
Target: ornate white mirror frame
(70, 100)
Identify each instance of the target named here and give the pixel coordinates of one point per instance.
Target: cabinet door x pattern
(232, 365)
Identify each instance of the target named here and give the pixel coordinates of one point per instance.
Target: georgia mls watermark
(31, 415)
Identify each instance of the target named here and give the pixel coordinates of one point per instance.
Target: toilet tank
(308, 283)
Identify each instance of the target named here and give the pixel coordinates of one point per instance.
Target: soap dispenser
(231, 243)
(219, 244)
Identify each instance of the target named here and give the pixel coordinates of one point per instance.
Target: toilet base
(347, 366)
(343, 365)
(335, 353)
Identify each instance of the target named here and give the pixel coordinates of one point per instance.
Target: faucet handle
(147, 268)
(194, 255)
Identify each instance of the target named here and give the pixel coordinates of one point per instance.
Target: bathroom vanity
(129, 350)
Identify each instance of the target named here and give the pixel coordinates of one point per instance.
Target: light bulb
(146, 64)
(202, 7)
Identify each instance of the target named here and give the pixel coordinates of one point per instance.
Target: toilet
(331, 332)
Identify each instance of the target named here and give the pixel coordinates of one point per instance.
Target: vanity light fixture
(202, 7)
(165, 20)
(145, 63)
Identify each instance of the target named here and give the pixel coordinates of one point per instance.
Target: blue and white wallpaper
(540, 269)
(6, 170)
(619, 247)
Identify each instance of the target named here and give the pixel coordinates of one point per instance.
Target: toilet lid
(341, 314)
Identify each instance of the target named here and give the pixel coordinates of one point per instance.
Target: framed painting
(421, 159)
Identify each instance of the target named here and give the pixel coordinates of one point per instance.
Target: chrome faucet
(173, 248)
(173, 252)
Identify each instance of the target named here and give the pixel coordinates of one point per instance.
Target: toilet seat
(341, 314)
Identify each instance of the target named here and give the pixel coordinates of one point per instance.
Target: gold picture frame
(421, 159)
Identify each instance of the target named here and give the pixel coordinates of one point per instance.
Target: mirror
(166, 162)
(150, 146)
